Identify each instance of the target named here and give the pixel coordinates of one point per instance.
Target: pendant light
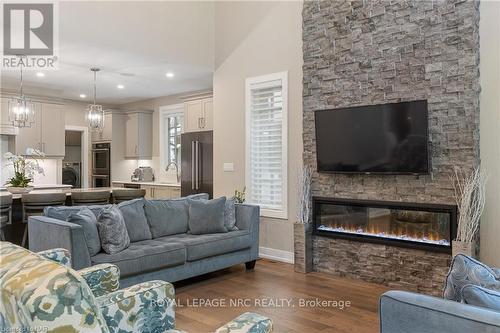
(21, 109)
(95, 113)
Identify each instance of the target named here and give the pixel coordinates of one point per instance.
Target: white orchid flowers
(25, 167)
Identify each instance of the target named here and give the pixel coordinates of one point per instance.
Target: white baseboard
(278, 255)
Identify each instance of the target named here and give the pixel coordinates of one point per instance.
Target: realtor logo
(29, 32)
(28, 29)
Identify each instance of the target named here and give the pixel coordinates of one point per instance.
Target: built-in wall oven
(101, 161)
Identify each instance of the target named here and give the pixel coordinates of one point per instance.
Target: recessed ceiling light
(40, 74)
(170, 74)
(120, 86)
(83, 95)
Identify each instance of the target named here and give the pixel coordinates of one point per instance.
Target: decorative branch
(470, 196)
(304, 195)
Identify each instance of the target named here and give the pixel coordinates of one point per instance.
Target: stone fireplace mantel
(376, 52)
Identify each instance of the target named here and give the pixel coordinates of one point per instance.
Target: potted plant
(239, 196)
(25, 169)
(470, 194)
(303, 226)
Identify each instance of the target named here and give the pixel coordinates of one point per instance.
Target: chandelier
(95, 113)
(21, 109)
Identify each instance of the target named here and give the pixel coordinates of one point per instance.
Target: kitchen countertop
(45, 187)
(154, 183)
(63, 190)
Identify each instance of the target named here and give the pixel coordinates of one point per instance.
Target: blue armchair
(471, 303)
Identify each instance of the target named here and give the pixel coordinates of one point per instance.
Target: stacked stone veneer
(375, 52)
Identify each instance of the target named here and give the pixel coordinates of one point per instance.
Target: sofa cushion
(135, 219)
(206, 216)
(144, 256)
(88, 221)
(204, 246)
(112, 230)
(465, 270)
(166, 217)
(230, 214)
(62, 212)
(169, 216)
(482, 297)
(197, 196)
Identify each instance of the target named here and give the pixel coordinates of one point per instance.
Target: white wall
(489, 30)
(262, 38)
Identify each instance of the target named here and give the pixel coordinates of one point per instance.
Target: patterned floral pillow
(464, 271)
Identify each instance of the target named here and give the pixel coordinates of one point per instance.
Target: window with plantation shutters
(266, 148)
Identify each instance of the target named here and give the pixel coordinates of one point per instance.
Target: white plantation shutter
(267, 143)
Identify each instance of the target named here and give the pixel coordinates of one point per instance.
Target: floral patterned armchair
(40, 292)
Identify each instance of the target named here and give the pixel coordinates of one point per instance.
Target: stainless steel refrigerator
(197, 163)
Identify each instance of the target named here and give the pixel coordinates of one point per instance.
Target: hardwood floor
(267, 290)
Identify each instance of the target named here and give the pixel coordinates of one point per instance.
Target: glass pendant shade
(95, 117)
(21, 112)
(95, 113)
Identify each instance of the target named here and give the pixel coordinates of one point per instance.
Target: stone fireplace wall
(385, 51)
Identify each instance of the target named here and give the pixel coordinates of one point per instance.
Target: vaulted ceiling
(135, 44)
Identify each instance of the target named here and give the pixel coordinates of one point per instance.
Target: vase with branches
(470, 197)
(304, 211)
(25, 169)
(303, 227)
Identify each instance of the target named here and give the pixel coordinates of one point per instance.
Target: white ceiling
(134, 44)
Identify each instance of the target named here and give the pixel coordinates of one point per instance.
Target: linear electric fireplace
(422, 226)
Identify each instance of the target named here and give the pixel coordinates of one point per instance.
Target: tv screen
(389, 138)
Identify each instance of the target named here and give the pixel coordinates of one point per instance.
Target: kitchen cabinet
(6, 126)
(161, 192)
(107, 131)
(139, 136)
(53, 130)
(198, 115)
(46, 133)
(154, 190)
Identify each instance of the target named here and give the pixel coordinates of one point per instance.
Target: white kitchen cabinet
(46, 133)
(107, 131)
(30, 137)
(139, 136)
(6, 126)
(52, 142)
(198, 115)
(149, 191)
(161, 192)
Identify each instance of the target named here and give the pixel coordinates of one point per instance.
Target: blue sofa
(170, 258)
(470, 303)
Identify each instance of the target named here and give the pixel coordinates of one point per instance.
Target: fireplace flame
(400, 233)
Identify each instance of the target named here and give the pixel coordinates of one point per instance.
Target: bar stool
(90, 198)
(5, 212)
(120, 195)
(34, 203)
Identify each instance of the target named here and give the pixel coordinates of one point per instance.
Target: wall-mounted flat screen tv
(384, 139)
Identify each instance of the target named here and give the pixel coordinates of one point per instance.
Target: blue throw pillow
(112, 230)
(86, 218)
(135, 219)
(166, 217)
(482, 297)
(465, 270)
(63, 212)
(230, 214)
(207, 216)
